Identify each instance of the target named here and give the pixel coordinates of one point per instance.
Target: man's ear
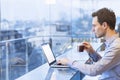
(105, 25)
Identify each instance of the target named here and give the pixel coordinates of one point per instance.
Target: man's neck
(109, 34)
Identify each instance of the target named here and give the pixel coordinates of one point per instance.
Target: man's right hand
(88, 47)
(63, 61)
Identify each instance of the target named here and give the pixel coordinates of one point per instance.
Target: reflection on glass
(25, 28)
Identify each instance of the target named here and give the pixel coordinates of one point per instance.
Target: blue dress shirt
(108, 66)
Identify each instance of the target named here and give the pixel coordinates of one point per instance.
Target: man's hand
(63, 61)
(88, 47)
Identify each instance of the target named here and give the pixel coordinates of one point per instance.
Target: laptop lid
(48, 53)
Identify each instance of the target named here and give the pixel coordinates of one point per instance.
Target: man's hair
(106, 15)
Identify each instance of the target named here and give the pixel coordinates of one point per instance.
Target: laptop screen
(48, 52)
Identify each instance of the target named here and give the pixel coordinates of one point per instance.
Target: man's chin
(96, 36)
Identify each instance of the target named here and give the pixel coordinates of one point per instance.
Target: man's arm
(95, 56)
(91, 52)
(108, 61)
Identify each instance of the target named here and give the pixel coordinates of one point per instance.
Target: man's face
(97, 28)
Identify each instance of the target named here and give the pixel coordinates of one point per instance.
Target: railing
(7, 47)
(7, 51)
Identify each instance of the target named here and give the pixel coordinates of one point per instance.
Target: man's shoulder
(116, 42)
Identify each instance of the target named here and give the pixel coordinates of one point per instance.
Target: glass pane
(26, 24)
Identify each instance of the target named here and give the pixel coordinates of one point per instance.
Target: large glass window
(26, 24)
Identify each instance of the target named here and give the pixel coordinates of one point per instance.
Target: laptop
(51, 57)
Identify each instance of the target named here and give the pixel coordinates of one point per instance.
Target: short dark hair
(106, 15)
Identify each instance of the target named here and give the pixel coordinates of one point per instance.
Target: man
(108, 66)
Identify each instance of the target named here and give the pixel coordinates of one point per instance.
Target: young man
(108, 66)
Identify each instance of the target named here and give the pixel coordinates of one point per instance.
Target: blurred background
(26, 24)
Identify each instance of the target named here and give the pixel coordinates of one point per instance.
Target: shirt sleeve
(95, 56)
(108, 61)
